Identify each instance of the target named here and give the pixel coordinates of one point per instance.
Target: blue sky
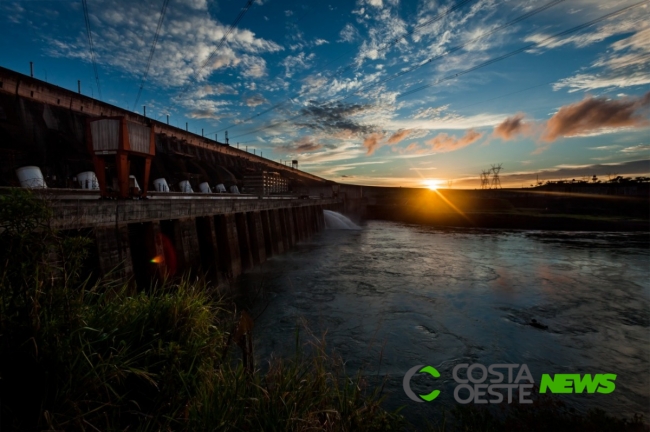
(347, 87)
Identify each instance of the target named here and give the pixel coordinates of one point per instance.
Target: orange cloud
(511, 127)
(372, 141)
(398, 136)
(445, 143)
(592, 114)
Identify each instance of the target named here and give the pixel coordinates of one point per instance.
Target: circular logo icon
(407, 383)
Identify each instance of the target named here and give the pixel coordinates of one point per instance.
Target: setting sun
(432, 184)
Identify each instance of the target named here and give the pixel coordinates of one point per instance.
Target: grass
(103, 356)
(546, 413)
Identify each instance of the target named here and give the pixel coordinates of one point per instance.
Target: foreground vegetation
(545, 414)
(103, 356)
(77, 356)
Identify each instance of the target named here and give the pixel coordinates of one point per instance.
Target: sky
(373, 92)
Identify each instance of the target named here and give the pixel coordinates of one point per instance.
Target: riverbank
(509, 219)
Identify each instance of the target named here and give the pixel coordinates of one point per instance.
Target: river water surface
(392, 296)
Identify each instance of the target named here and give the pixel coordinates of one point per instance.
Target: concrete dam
(131, 189)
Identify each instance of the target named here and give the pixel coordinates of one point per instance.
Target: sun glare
(432, 184)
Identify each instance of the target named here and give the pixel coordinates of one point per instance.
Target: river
(392, 296)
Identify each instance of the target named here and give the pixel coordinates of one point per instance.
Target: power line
(487, 63)
(451, 50)
(528, 88)
(385, 46)
(91, 47)
(457, 47)
(151, 51)
(522, 49)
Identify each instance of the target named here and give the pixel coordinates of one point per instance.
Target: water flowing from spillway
(334, 220)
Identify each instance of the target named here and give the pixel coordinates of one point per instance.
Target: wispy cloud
(512, 127)
(398, 136)
(371, 142)
(304, 144)
(255, 100)
(446, 143)
(637, 149)
(593, 114)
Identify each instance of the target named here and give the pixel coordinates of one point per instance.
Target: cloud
(609, 147)
(511, 127)
(430, 112)
(215, 89)
(303, 145)
(348, 34)
(204, 114)
(636, 149)
(255, 100)
(446, 143)
(334, 118)
(253, 66)
(319, 42)
(592, 114)
(398, 136)
(372, 141)
(185, 52)
(205, 108)
(596, 81)
(292, 63)
(446, 121)
(625, 64)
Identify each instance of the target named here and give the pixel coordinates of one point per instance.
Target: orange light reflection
(456, 209)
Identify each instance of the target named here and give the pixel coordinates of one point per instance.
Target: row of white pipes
(32, 177)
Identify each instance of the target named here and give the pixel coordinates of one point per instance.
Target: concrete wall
(150, 240)
(40, 115)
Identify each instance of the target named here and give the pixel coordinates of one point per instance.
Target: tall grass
(106, 357)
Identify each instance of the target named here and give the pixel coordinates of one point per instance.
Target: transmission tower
(485, 179)
(496, 181)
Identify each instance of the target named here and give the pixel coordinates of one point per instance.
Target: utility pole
(167, 118)
(79, 86)
(186, 129)
(226, 137)
(144, 110)
(31, 69)
(201, 131)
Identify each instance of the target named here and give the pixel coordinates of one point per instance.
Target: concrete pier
(147, 240)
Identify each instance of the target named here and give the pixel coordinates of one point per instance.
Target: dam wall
(146, 240)
(44, 125)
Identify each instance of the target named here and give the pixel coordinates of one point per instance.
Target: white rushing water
(334, 220)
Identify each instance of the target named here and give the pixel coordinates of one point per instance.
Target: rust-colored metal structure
(132, 145)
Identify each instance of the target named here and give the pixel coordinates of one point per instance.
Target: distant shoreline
(509, 220)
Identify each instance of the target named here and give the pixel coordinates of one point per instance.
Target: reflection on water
(415, 295)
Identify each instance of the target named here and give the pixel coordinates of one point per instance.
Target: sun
(432, 184)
